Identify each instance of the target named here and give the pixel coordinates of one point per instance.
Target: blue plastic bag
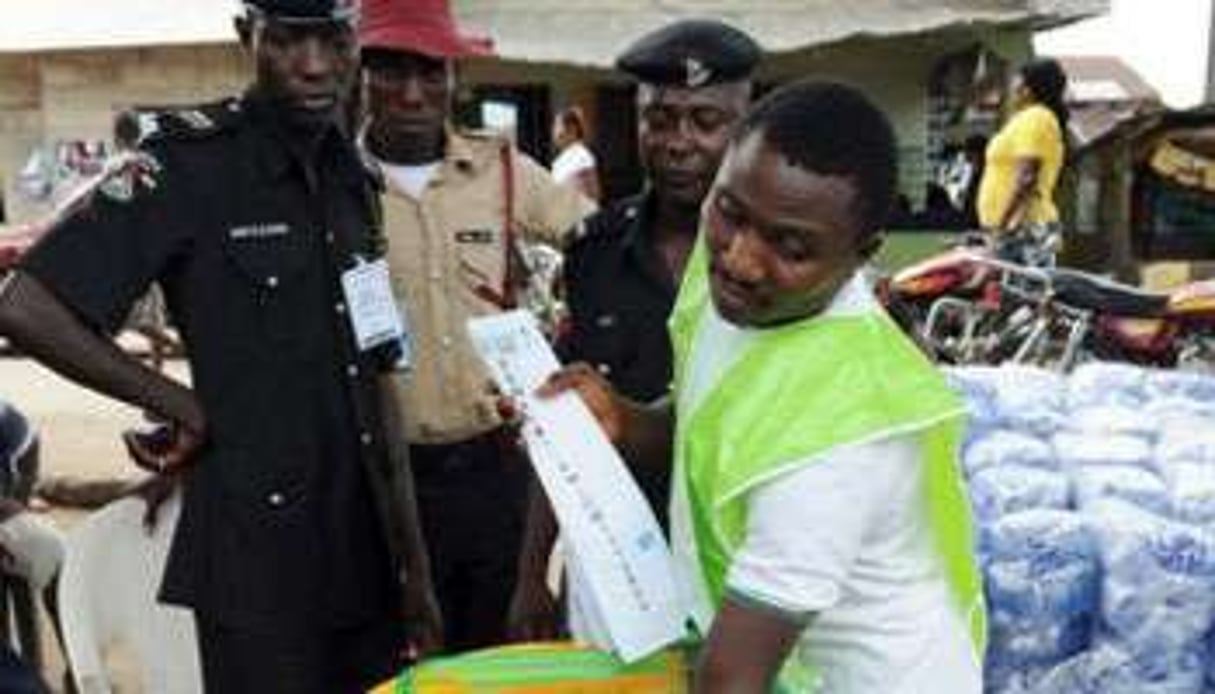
(1158, 583)
(1133, 484)
(1001, 447)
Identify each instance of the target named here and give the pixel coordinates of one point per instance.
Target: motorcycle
(1111, 321)
(956, 305)
(978, 304)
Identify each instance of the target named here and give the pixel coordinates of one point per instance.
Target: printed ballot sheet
(626, 593)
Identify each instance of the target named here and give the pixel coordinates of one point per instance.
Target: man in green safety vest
(818, 518)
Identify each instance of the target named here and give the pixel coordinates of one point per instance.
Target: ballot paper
(625, 593)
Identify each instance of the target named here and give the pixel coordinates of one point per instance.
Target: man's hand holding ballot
(642, 432)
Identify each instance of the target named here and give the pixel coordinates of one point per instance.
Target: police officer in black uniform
(621, 275)
(298, 526)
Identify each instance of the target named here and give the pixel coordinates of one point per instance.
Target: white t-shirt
(408, 178)
(844, 542)
(570, 161)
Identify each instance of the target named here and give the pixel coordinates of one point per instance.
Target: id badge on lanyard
(375, 317)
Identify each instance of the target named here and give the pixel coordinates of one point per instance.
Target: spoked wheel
(1197, 353)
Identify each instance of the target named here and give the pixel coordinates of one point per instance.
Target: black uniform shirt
(248, 240)
(620, 295)
(14, 436)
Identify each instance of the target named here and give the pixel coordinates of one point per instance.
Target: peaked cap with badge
(691, 53)
(305, 11)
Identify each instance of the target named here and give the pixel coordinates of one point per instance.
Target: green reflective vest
(797, 392)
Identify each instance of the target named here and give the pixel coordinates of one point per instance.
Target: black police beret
(691, 53)
(306, 10)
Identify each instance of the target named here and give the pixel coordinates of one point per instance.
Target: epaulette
(190, 122)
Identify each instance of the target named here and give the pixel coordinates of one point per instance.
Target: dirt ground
(79, 433)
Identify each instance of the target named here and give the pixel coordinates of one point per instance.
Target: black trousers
(16, 676)
(472, 497)
(298, 660)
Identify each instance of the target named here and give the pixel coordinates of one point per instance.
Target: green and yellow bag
(543, 668)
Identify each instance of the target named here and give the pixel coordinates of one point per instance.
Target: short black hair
(831, 128)
(1046, 80)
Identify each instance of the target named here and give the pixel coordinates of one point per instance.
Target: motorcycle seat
(1086, 291)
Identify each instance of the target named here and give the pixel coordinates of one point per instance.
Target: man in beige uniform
(449, 196)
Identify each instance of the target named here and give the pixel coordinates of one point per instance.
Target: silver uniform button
(603, 369)
(329, 238)
(366, 439)
(352, 370)
(340, 308)
(272, 281)
(275, 499)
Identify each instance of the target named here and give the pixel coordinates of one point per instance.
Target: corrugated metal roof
(1085, 70)
(588, 32)
(592, 32)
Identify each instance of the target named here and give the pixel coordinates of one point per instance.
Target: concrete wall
(74, 96)
(20, 115)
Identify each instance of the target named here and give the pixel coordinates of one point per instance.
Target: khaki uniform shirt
(441, 248)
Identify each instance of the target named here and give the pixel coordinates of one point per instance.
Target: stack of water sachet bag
(1094, 499)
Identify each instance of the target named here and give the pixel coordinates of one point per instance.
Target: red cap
(420, 26)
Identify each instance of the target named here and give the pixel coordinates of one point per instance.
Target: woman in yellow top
(1023, 159)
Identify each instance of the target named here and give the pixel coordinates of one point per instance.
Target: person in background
(298, 547)
(575, 163)
(974, 150)
(31, 547)
(621, 275)
(818, 520)
(1024, 158)
(939, 213)
(455, 205)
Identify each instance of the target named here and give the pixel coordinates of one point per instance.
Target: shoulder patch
(127, 174)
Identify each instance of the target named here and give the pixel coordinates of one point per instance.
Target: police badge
(698, 74)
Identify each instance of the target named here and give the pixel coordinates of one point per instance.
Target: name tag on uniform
(258, 231)
(370, 304)
(475, 236)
